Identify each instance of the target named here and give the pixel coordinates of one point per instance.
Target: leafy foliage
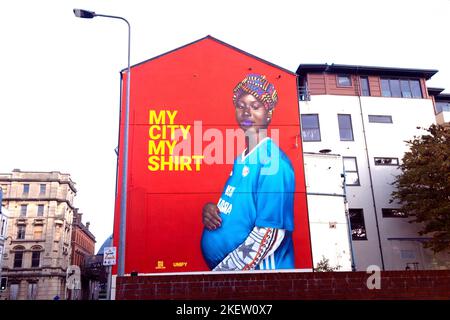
(423, 187)
(324, 266)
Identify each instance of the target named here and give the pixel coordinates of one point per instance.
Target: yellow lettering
(180, 264)
(153, 163)
(185, 130)
(171, 146)
(153, 149)
(151, 133)
(164, 162)
(172, 128)
(158, 119)
(173, 163)
(185, 161)
(171, 115)
(197, 163)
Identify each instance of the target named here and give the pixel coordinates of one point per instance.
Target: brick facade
(405, 285)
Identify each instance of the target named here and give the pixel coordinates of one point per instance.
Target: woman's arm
(261, 243)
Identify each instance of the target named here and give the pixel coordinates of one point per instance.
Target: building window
(3, 227)
(40, 211)
(13, 291)
(380, 119)
(365, 90)
(42, 189)
(18, 257)
(310, 127)
(344, 81)
(386, 161)
(21, 232)
(405, 88)
(415, 88)
(36, 257)
(392, 213)
(37, 233)
(345, 127)
(395, 88)
(357, 224)
(385, 90)
(26, 189)
(442, 106)
(32, 291)
(23, 210)
(351, 171)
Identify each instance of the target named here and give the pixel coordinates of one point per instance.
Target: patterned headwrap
(258, 86)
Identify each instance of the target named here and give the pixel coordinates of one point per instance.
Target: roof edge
(357, 69)
(218, 41)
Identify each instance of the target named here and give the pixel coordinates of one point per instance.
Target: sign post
(109, 259)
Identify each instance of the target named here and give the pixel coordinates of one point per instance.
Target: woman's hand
(210, 216)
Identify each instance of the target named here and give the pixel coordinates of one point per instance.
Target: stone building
(38, 246)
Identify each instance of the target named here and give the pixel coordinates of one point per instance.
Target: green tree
(423, 187)
(324, 266)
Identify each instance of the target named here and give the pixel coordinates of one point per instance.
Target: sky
(59, 90)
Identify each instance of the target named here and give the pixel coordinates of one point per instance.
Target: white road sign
(109, 256)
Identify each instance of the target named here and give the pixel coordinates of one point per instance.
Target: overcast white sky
(59, 89)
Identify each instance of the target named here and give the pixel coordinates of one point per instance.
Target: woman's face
(251, 114)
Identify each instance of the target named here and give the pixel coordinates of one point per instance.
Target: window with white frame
(21, 232)
(380, 118)
(345, 127)
(351, 171)
(310, 127)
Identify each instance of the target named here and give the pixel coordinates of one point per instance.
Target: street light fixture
(80, 13)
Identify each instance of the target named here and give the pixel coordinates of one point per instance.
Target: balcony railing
(303, 93)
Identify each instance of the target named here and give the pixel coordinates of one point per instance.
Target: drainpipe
(347, 215)
(370, 171)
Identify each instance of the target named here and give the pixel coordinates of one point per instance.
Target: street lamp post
(80, 13)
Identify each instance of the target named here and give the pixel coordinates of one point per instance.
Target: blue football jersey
(259, 192)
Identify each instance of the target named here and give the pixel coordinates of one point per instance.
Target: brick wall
(286, 286)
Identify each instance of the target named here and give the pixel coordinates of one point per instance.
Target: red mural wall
(181, 103)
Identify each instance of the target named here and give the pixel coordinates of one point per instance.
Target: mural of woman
(250, 227)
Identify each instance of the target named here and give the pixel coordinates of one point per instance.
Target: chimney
(87, 225)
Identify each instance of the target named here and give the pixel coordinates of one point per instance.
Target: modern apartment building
(38, 246)
(365, 114)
